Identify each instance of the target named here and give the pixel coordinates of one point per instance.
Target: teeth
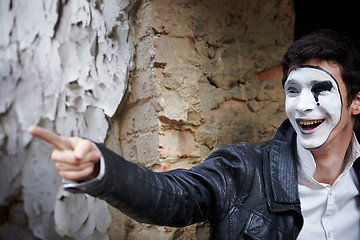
(311, 122)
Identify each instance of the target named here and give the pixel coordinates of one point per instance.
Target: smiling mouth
(307, 125)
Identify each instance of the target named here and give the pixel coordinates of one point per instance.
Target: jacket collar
(281, 167)
(281, 170)
(356, 164)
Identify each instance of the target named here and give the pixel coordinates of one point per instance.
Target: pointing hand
(75, 158)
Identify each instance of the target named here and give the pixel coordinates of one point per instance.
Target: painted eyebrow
(290, 81)
(313, 82)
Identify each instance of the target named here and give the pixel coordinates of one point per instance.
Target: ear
(355, 105)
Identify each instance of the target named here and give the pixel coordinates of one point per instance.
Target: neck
(330, 159)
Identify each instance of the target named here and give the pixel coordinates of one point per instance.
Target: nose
(306, 102)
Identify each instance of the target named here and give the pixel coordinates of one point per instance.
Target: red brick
(174, 143)
(274, 73)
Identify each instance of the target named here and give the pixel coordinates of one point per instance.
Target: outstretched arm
(176, 198)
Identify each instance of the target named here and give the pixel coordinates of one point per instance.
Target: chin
(312, 144)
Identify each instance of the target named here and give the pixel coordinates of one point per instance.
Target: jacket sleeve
(175, 198)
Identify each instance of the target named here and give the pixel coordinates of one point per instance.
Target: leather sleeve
(175, 198)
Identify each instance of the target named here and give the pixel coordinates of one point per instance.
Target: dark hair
(327, 45)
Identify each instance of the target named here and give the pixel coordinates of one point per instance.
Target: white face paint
(313, 104)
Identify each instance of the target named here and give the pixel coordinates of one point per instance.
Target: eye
(321, 87)
(291, 90)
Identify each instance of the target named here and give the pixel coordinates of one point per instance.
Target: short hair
(326, 44)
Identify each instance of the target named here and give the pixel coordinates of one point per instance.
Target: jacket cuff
(74, 186)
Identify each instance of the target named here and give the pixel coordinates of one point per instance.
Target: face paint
(320, 87)
(313, 104)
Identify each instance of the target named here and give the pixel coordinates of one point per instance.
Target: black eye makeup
(321, 87)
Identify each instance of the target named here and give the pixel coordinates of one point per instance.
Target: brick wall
(206, 74)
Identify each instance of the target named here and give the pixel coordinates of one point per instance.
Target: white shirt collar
(307, 164)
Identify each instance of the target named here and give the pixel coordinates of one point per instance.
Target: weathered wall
(63, 65)
(206, 75)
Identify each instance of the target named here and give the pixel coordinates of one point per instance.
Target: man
(302, 184)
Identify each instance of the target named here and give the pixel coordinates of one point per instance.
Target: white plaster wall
(63, 65)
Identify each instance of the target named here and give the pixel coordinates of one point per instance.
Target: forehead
(309, 73)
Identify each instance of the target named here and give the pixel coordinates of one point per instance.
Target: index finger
(58, 141)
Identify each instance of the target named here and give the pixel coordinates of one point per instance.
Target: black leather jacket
(245, 191)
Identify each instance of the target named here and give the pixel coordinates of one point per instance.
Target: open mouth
(308, 125)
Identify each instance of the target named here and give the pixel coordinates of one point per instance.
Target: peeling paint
(64, 66)
(80, 215)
